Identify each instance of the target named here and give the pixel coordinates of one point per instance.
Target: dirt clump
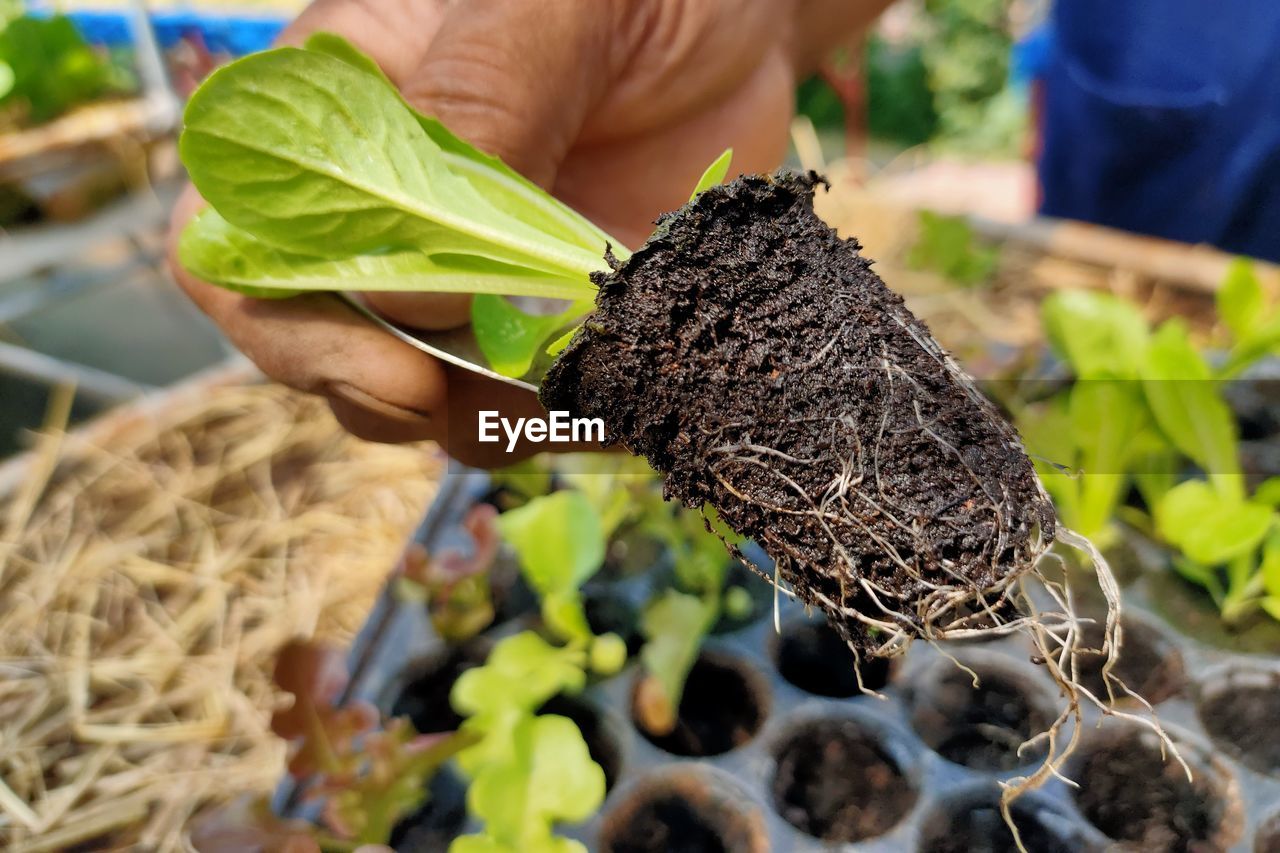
(757, 361)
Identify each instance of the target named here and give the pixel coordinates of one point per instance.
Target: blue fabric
(1163, 117)
(222, 33)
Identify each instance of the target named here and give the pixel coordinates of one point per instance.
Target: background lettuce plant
(1146, 411)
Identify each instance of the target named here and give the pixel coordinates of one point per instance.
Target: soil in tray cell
(981, 727)
(1147, 665)
(723, 707)
(679, 812)
(812, 656)
(438, 821)
(1133, 794)
(1244, 721)
(835, 782)
(974, 824)
(424, 693)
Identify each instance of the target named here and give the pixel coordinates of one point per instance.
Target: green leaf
(714, 173)
(608, 654)
(557, 346)
(1106, 417)
(1209, 528)
(522, 672)
(1099, 335)
(216, 251)
(511, 338)
(674, 625)
(1272, 606)
(1270, 566)
(501, 186)
(546, 777)
(1268, 492)
(311, 154)
(1241, 302)
(1201, 576)
(559, 539)
(1185, 400)
(949, 246)
(1265, 340)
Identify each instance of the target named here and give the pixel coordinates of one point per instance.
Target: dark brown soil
(438, 821)
(424, 694)
(835, 782)
(682, 814)
(1147, 664)
(813, 657)
(980, 727)
(601, 742)
(723, 707)
(1130, 792)
(975, 825)
(609, 612)
(1242, 719)
(754, 358)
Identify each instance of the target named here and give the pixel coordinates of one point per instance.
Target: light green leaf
(557, 346)
(1106, 417)
(714, 173)
(216, 251)
(502, 186)
(511, 338)
(302, 151)
(1099, 335)
(1241, 302)
(1268, 492)
(1201, 576)
(1270, 567)
(547, 776)
(564, 615)
(1046, 429)
(674, 625)
(559, 539)
(522, 672)
(608, 654)
(1265, 340)
(1208, 528)
(1272, 606)
(1185, 400)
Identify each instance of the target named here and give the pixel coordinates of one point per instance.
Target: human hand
(615, 106)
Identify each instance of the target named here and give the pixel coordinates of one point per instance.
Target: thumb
(517, 79)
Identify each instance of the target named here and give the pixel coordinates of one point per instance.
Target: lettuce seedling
(370, 776)
(1143, 404)
(527, 771)
(320, 177)
(454, 584)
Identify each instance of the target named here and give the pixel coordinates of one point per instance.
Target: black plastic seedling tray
(915, 769)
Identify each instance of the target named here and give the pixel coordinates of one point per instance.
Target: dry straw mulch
(148, 573)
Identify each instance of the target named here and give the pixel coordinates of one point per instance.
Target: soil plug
(756, 360)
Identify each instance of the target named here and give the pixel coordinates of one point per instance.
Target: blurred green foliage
(947, 84)
(46, 68)
(948, 246)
